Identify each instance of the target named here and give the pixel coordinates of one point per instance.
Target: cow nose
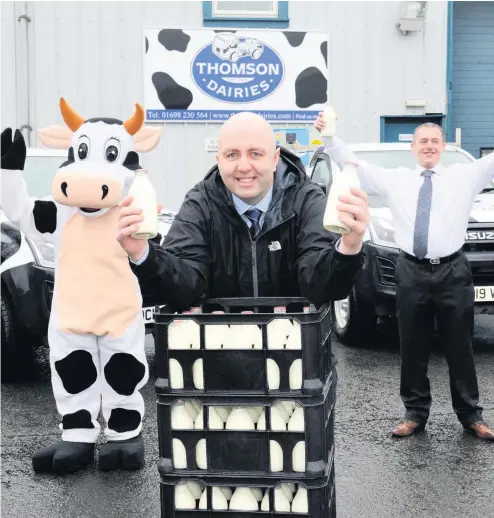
(104, 188)
(64, 188)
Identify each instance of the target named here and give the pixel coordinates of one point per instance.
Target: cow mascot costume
(96, 330)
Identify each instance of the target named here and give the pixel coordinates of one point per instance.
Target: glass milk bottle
(145, 198)
(329, 117)
(342, 183)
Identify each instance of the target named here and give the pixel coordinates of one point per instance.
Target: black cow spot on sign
(79, 419)
(11, 240)
(77, 371)
(310, 88)
(324, 51)
(295, 39)
(171, 95)
(146, 43)
(123, 420)
(123, 372)
(174, 39)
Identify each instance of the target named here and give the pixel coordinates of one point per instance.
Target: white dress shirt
(453, 191)
(241, 207)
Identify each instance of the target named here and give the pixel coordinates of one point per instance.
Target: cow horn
(134, 123)
(71, 117)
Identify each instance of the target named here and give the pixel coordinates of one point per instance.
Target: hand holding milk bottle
(145, 198)
(342, 182)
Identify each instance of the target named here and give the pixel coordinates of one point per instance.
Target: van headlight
(43, 252)
(382, 231)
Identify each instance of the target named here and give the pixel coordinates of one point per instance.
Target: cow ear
(146, 139)
(58, 137)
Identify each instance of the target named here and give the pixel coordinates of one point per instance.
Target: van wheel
(354, 322)
(234, 57)
(256, 54)
(15, 346)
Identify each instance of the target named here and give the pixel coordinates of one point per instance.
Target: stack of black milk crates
(246, 394)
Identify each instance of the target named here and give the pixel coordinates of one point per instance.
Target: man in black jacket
(253, 227)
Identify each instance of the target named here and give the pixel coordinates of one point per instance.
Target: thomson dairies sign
(205, 75)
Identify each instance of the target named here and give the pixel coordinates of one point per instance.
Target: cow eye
(83, 148)
(112, 150)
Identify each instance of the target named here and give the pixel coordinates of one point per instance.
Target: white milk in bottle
(281, 502)
(288, 492)
(223, 412)
(261, 423)
(300, 503)
(176, 374)
(191, 409)
(240, 419)
(227, 492)
(278, 424)
(295, 375)
(342, 183)
(191, 333)
(215, 421)
(198, 374)
(179, 454)
(298, 457)
(216, 336)
(273, 374)
(257, 493)
(218, 498)
(245, 336)
(297, 421)
(201, 455)
(243, 500)
(329, 117)
(181, 419)
(195, 489)
(265, 501)
(275, 456)
(184, 499)
(279, 329)
(145, 198)
(176, 334)
(295, 338)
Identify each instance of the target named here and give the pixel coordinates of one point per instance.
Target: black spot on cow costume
(96, 331)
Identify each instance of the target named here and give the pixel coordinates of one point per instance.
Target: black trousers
(445, 293)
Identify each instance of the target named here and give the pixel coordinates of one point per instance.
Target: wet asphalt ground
(441, 473)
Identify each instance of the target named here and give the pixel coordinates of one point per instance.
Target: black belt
(439, 260)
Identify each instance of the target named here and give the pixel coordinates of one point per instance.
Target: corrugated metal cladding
(91, 53)
(473, 74)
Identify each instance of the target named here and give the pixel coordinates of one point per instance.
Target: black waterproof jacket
(208, 251)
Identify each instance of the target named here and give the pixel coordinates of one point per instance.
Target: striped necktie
(422, 217)
(254, 216)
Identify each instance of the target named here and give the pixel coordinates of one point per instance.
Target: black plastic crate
(244, 371)
(321, 496)
(248, 452)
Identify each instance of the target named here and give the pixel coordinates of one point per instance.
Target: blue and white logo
(237, 69)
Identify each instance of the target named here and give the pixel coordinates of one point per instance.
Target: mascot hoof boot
(127, 454)
(63, 457)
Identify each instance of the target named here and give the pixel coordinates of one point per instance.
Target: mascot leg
(124, 372)
(75, 376)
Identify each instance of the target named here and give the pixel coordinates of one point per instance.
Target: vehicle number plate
(484, 293)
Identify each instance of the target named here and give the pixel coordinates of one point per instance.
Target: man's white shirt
(454, 189)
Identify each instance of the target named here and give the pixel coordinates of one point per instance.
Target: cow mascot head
(102, 157)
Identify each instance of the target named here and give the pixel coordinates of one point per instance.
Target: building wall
(90, 52)
(473, 74)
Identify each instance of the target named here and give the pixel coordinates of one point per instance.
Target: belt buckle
(435, 261)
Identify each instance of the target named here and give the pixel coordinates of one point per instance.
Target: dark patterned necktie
(422, 217)
(254, 216)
